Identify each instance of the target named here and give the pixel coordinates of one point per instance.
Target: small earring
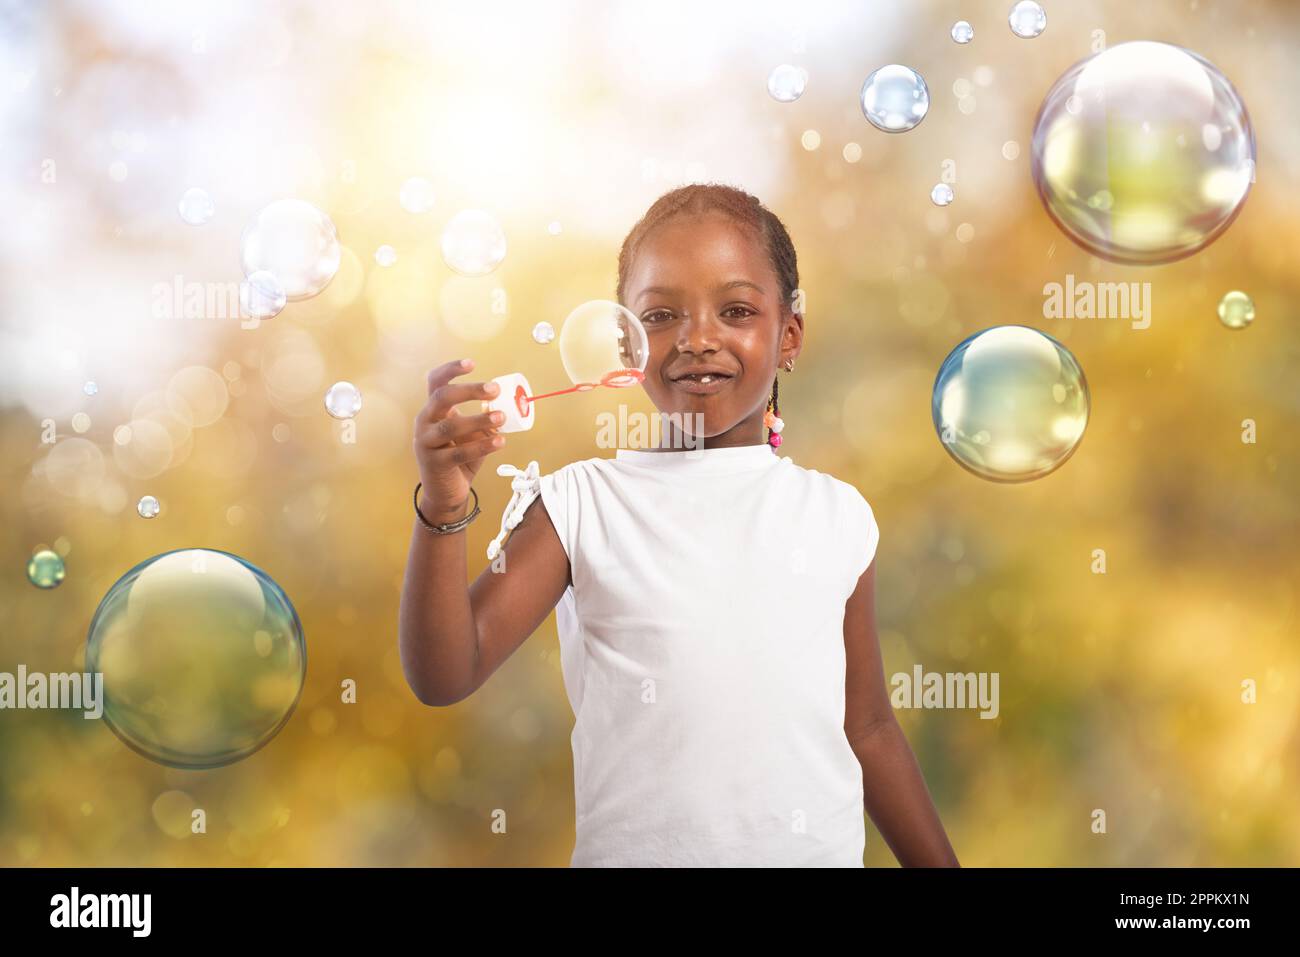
(789, 365)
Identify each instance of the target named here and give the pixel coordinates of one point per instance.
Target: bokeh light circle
(1144, 153)
(1010, 404)
(473, 243)
(203, 658)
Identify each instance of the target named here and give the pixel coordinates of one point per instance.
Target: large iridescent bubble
(1143, 153)
(203, 658)
(1010, 404)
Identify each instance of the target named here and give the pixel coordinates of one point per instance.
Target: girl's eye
(662, 315)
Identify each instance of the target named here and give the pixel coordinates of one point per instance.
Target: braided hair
(745, 209)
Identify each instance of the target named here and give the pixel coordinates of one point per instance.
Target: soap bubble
(203, 658)
(416, 195)
(543, 333)
(604, 343)
(962, 32)
(1010, 404)
(45, 569)
(295, 242)
(1027, 19)
(385, 255)
(941, 195)
(1144, 153)
(261, 296)
(1236, 310)
(895, 98)
(343, 400)
(786, 83)
(196, 206)
(90, 388)
(473, 243)
(148, 507)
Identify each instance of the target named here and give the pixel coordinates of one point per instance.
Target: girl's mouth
(702, 384)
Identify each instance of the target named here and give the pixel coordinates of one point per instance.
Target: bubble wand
(595, 338)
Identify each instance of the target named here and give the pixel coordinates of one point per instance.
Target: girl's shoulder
(847, 492)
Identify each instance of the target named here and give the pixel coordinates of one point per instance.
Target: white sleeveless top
(702, 649)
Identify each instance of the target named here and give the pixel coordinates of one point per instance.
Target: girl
(715, 605)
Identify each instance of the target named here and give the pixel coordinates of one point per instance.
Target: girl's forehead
(688, 251)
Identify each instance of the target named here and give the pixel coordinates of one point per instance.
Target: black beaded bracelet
(450, 527)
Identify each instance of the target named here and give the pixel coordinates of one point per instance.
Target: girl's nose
(698, 330)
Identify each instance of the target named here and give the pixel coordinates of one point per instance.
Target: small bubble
(895, 98)
(1010, 149)
(148, 507)
(1236, 310)
(416, 195)
(786, 83)
(385, 255)
(261, 296)
(543, 333)
(962, 32)
(965, 233)
(852, 152)
(473, 243)
(811, 139)
(80, 422)
(45, 569)
(196, 206)
(343, 400)
(554, 228)
(941, 195)
(90, 388)
(1027, 19)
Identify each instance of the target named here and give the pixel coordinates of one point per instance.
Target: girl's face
(708, 296)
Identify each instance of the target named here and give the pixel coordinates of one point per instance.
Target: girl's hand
(450, 447)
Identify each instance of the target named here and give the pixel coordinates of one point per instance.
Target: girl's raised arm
(452, 637)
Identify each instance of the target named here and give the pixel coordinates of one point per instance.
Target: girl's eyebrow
(669, 291)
